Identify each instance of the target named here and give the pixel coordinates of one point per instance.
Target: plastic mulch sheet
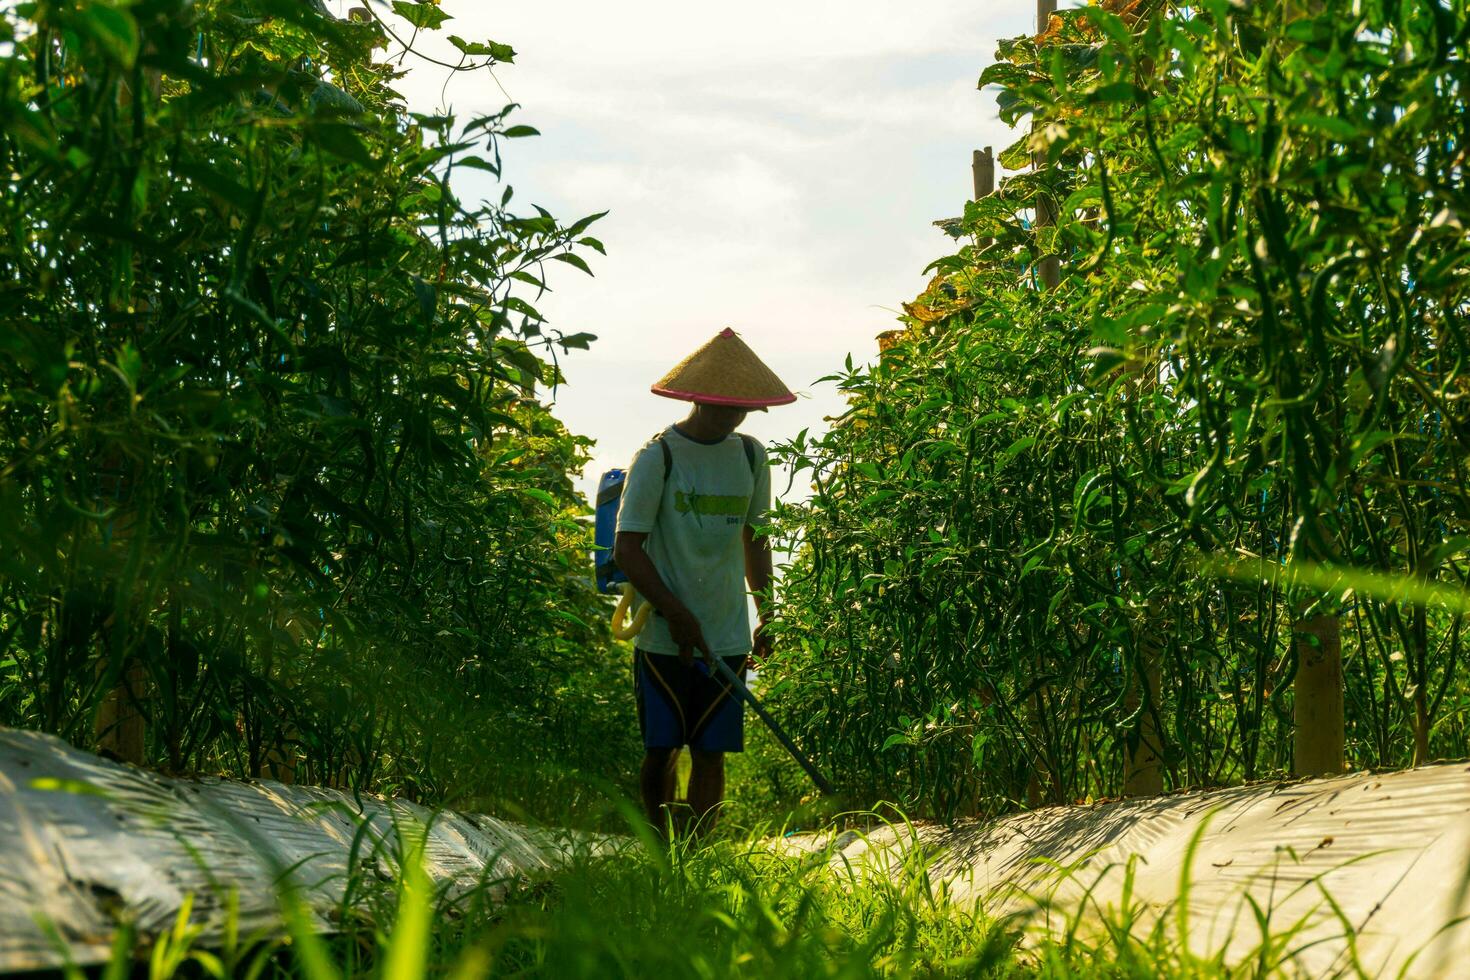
(1358, 875)
(86, 844)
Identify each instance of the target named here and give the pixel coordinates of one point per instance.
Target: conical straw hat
(725, 372)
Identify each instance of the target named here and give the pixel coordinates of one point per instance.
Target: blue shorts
(679, 705)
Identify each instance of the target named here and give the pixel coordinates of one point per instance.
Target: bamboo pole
(119, 728)
(982, 166)
(1143, 760)
(1049, 267)
(1050, 274)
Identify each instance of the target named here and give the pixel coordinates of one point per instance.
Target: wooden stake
(121, 730)
(1143, 766)
(1318, 713)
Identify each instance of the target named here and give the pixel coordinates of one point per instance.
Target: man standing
(694, 497)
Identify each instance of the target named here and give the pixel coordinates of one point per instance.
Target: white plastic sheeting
(1392, 850)
(85, 842)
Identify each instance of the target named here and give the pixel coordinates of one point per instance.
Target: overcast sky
(770, 166)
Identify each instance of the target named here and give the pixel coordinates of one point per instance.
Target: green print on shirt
(710, 505)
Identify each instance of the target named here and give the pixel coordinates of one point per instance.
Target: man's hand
(684, 628)
(763, 644)
(686, 632)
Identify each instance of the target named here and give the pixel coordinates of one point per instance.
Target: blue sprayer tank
(609, 493)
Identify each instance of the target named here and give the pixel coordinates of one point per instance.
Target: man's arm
(758, 577)
(684, 628)
(758, 552)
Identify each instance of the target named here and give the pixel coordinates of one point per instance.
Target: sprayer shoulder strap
(748, 442)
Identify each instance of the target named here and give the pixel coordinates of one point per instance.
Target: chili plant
(276, 472)
(1001, 586)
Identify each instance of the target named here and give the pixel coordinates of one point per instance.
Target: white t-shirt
(695, 521)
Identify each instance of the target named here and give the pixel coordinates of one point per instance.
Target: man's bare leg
(706, 788)
(656, 782)
(672, 792)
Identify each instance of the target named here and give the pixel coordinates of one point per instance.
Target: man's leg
(672, 792)
(706, 787)
(656, 784)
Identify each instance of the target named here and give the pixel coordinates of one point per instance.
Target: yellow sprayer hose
(621, 627)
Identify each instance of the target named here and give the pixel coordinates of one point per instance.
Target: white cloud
(772, 166)
(662, 35)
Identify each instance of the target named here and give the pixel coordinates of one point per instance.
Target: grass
(734, 908)
(730, 908)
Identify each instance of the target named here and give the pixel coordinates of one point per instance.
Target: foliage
(1006, 580)
(274, 463)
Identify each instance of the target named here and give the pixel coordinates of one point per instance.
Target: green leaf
(218, 184)
(130, 364)
(1019, 446)
(563, 614)
(1016, 156)
(31, 129)
(1110, 24)
(583, 224)
(477, 163)
(574, 260)
(342, 140)
(110, 28)
(511, 455)
(1365, 445)
(1337, 128)
(579, 341)
(37, 350)
(423, 14)
(516, 132)
(541, 495)
(521, 356)
(486, 49)
(1116, 92)
(522, 307)
(897, 738)
(329, 100)
(1105, 360)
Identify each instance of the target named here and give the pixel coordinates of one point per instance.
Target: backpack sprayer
(610, 577)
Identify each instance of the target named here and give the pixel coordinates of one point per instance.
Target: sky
(770, 166)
